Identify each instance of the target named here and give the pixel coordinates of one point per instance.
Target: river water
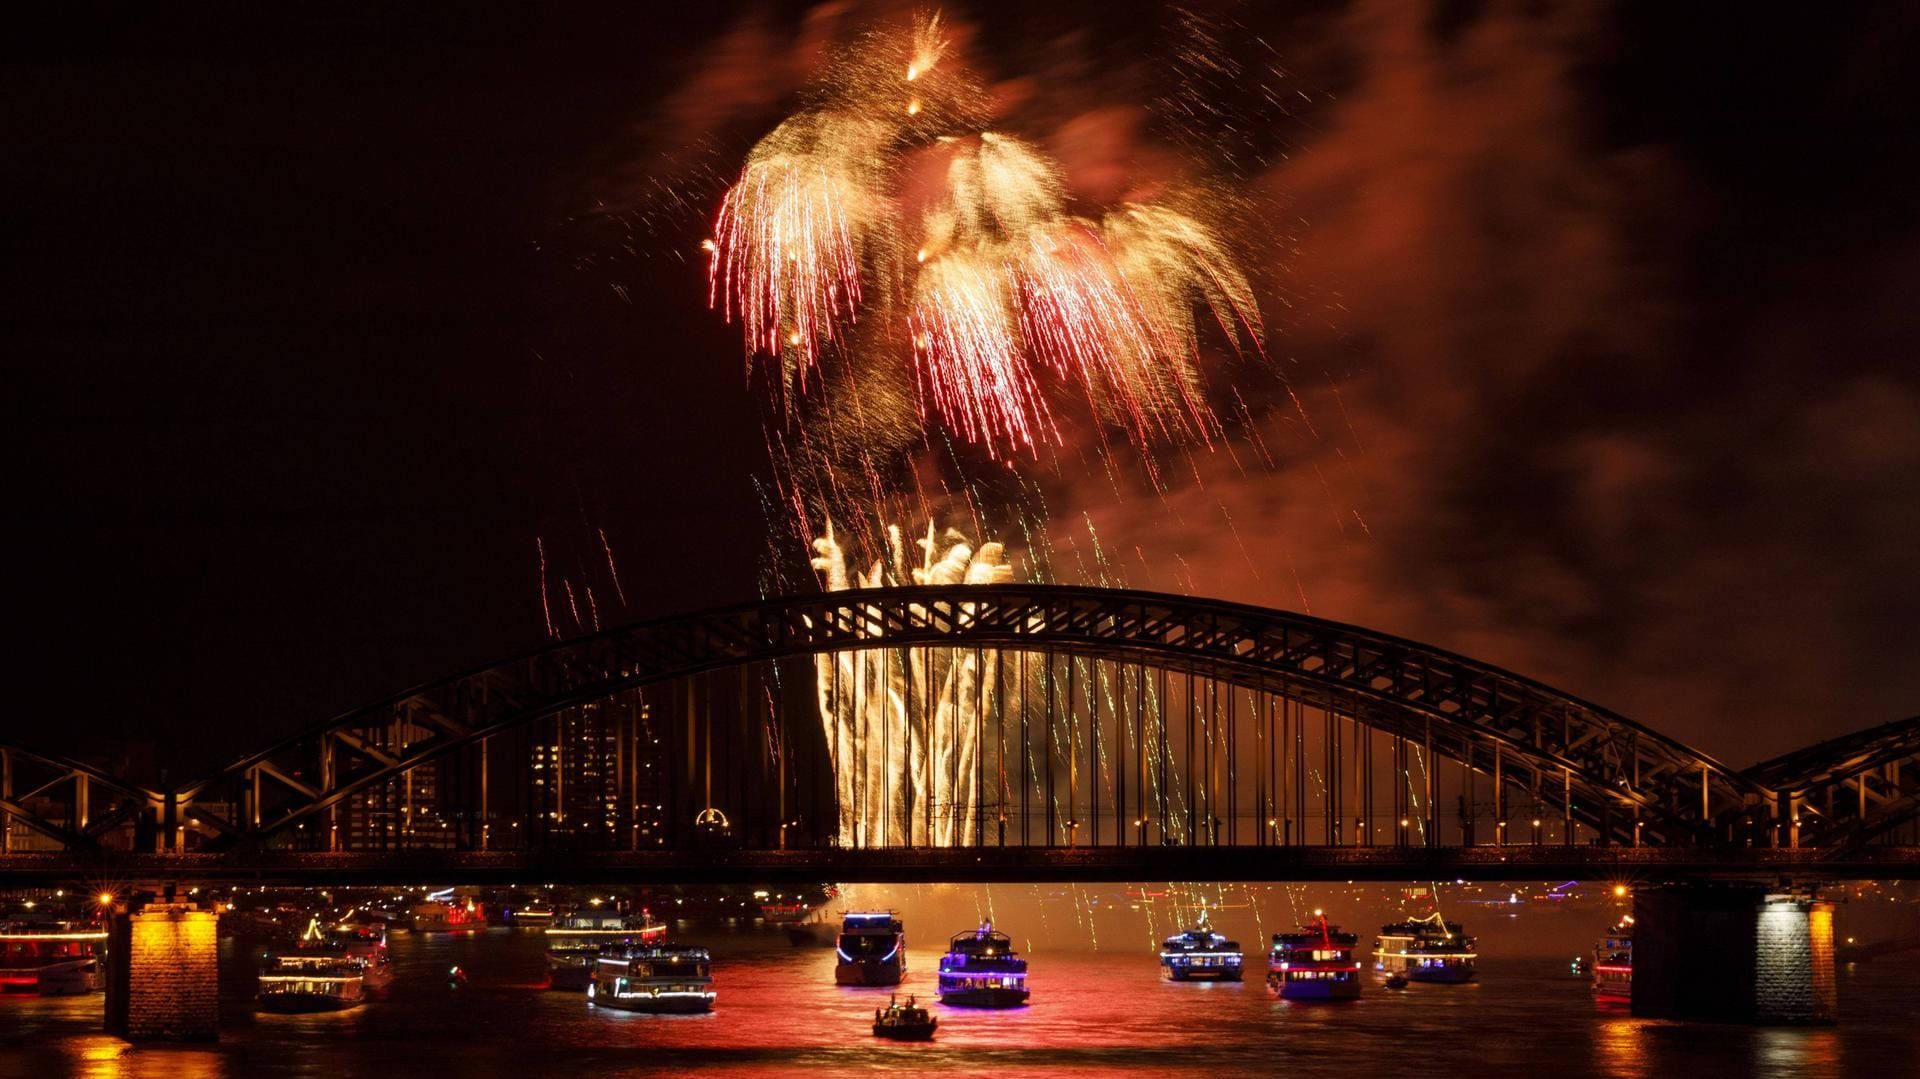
(1094, 1012)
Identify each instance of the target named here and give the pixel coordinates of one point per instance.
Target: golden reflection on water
(1620, 1044)
(1800, 1051)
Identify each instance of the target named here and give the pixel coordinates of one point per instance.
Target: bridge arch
(1610, 780)
(52, 802)
(1850, 791)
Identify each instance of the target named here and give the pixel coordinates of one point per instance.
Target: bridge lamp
(1619, 891)
(105, 899)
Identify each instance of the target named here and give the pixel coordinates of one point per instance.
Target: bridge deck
(965, 865)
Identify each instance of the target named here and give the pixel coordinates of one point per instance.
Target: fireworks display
(1000, 300)
(907, 279)
(903, 723)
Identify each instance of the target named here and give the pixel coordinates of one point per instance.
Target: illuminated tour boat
(980, 970)
(872, 949)
(447, 915)
(907, 1022)
(51, 959)
(1613, 962)
(1316, 963)
(1428, 949)
(1200, 954)
(575, 941)
(362, 946)
(654, 978)
(311, 981)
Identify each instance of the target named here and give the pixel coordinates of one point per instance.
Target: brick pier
(163, 974)
(1739, 953)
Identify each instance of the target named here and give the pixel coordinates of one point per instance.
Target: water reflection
(1108, 1012)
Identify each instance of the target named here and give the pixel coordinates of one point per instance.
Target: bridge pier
(1735, 953)
(163, 974)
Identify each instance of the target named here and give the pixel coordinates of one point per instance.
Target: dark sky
(316, 317)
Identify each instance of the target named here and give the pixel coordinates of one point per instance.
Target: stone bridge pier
(1736, 953)
(163, 973)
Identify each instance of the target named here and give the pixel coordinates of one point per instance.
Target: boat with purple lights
(981, 970)
(1314, 964)
(872, 949)
(1200, 954)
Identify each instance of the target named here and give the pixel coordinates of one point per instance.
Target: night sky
(318, 318)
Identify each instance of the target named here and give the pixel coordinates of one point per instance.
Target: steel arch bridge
(1102, 721)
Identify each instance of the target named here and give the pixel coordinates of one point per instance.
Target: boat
(364, 946)
(872, 949)
(310, 981)
(907, 1022)
(575, 940)
(805, 926)
(654, 978)
(50, 958)
(438, 916)
(981, 970)
(1314, 964)
(1396, 981)
(1429, 949)
(1200, 954)
(1613, 962)
(534, 915)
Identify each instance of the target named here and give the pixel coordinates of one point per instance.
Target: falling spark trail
(546, 610)
(612, 570)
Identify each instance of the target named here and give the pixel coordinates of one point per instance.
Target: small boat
(1200, 954)
(534, 915)
(872, 949)
(310, 981)
(655, 978)
(1429, 949)
(1613, 962)
(907, 1022)
(981, 970)
(50, 958)
(1314, 964)
(1396, 981)
(575, 941)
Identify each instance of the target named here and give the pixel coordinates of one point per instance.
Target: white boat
(310, 981)
(658, 978)
(1429, 949)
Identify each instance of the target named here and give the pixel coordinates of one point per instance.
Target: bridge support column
(1737, 953)
(163, 974)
